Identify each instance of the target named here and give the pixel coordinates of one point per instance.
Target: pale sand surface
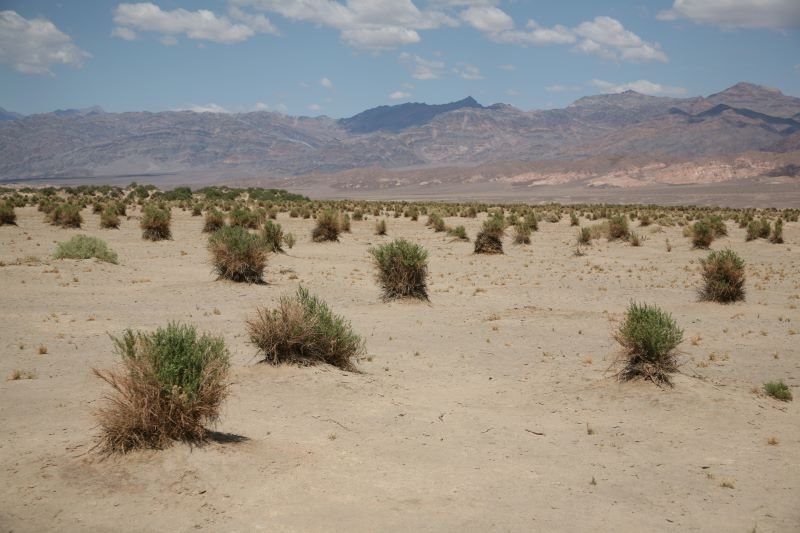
(437, 433)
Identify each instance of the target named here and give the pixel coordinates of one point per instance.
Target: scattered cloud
(607, 37)
(260, 106)
(375, 24)
(325, 82)
(126, 34)
(400, 95)
(730, 14)
(421, 68)
(314, 107)
(200, 25)
(488, 19)
(562, 88)
(640, 86)
(204, 108)
(508, 66)
(468, 72)
(32, 46)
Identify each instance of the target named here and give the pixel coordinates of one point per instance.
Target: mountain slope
(399, 117)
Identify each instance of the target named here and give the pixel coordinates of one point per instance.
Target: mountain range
(745, 118)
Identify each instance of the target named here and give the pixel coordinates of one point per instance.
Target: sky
(339, 57)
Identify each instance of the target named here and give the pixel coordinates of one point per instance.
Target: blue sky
(314, 57)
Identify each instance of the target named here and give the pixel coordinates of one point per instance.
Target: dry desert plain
(491, 408)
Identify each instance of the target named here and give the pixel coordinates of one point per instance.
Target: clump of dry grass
(66, 215)
(380, 227)
(170, 384)
(328, 227)
(490, 239)
(109, 218)
(155, 223)
(238, 255)
(402, 269)
(213, 221)
(649, 338)
(522, 233)
(303, 330)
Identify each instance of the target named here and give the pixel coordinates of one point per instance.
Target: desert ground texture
(491, 408)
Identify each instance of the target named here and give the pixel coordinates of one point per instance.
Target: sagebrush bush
(85, 247)
(7, 214)
(649, 338)
(213, 221)
(723, 277)
(155, 223)
(272, 234)
(328, 227)
(66, 215)
(109, 219)
(490, 239)
(303, 330)
(618, 227)
(702, 234)
(402, 269)
(238, 255)
(778, 390)
(241, 216)
(777, 232)
(585, 236)
(459, 233)
(289, 240)
(522, 233)
(380, 227)
(171, 383)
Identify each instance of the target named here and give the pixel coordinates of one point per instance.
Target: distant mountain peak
(751, 89)
(399, 117)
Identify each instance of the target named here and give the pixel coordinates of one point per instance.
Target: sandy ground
(489, 409)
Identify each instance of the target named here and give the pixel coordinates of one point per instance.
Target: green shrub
(635, 239)
(723, 277)
(778, 390)
(303, 330)
(7, 214)
(109, 219)
(777, 232)
(172, 382)
(402, 269)
(85, 247)
(522, 233)
(753, 230)
(289, 240)
(197, 210)
(155, 223)
(238, 255)
(764, 229)
(213, 221)
(328, 227)
(272, 234)
(702, 234)
(649, 338)
(380, 227)
(490, 239)
(244, 217)
(573, 219)
(459, 233)
(585, 236)
(66, 215)
(618, 228)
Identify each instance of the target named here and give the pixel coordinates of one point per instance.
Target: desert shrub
(272, 234)
(522, 234)
(244, 217)
(717, 225)
(490, 239)
(303, 330)
(531, 220)
(85, 247)
(764, 229)
(723, 277)
(645, 220)
(380, 227)
(649, 338)
(238, 255)
(585, 236)
(459, 233)
(171, 383)
(109, 219)
(573, 219)
(753, 230)
(702, 234)
(197, 210)
(618, 227)
(436, 221)
(327, 228)
(402, 269)
(778, 390)
(289, 240)
(213, 221)
(635, 239)
(777, 232)
(358, 215)
(7, 214)
(66, 215)
(155, 223)
(344, 222)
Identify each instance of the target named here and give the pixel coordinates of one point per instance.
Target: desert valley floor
(490, 408)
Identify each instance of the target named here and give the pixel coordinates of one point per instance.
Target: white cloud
(260, 106)
(314, 107)
(640, 86)
(370, 24)
(325, 82)
(751, 14)
(126, 34)
(562, 88)
(488, 19)
(32, 46)
(204, 108)
(468, 72)
(607, 37)
(421, 68)
(400, 95)
(201, 25)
